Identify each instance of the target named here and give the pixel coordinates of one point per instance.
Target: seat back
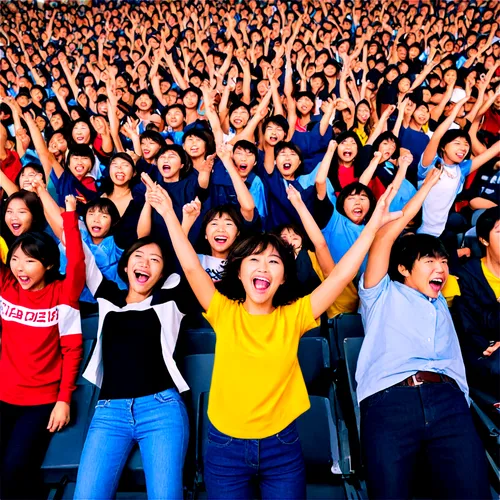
(195, 341)
(90, 324)
(352, 347)
(343, 326)
(88, 348)
(314, 360)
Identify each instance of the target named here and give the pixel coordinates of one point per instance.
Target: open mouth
(166, 169)
(120, 177)
(146, 152)
(461, 155)
(96, 229)
(15, 227)
(141, 277)
(194, 150)
(237, 121)
(261, 284)
(221, 240)
(357, 212)
(24, 280)
(79, 169)
(287, 166)
(436, 284)
(79, 138)
(243, 167)
(347, 154)
(273, 138)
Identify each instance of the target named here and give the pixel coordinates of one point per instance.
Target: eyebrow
(156, 255)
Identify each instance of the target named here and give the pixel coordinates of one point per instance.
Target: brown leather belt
(426, 378)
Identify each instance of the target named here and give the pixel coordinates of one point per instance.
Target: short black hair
(450, 136)
(356, 188)
(290, 145)
(231, 285)
(278, 120)
(247, 146)
(41, 247)
(106, 206)
(485, 223)
(410, 248)
(181, 153)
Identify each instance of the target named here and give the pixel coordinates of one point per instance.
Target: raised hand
(381, 215)
(70, 202)
(207, 164)
(191, 211)
(293, 196)
(224, 151)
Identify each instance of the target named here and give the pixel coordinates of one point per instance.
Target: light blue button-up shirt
(405, 332)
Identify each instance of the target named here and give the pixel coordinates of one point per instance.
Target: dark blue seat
(314, 360)
(195, 341)
(89, 326)
(352, 347)
(341, 327)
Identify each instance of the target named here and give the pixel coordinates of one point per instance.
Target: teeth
(261, 283)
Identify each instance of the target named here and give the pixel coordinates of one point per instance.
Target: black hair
(279, 120)
(387, 136)
(154, 136)
(214, 212)
(450, 136)
(81, 150)
(238, 104)
(141, 242)
(106, 206)
(367, 125)
(410, 248)
(356, 188)
(247, 146)
(42, 247)
(306, 242)
(231, 285)
(485, 223)
(290, 145)
(36, 167)
(185, 159)
(93, 133)
(205, 135)
(334, 165)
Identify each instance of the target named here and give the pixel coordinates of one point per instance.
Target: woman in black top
(133, 365)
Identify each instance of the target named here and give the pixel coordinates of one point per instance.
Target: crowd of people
(260, 165)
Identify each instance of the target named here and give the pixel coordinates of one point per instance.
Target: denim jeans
(400, 423)
(158, 423)
(234, 467)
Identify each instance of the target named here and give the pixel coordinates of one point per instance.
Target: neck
(220, 255)
(197, 162)
(415, 126)
(133, 297)
(258, 309)
(97, 241)
(492, 264)
(143, 115)
(120, 191)
(174, 178)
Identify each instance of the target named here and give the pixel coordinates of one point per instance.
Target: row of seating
(329, 431)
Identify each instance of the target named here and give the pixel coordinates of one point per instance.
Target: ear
(126, 269)
(484, 242)
(402, 270)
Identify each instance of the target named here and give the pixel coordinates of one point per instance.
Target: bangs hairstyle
(410, 248)
(227, 209)
(41, 247)
(485, 224)
(352, 189)
(35, 207)
(34, 166)
(306, 242)
(185, 159)
(105, 206)
(333, 171)
(293, 147)
(142, 242)
(231, 285)
(450, 136)
(387, 136)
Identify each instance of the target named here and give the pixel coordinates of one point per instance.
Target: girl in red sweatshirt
(41, 350)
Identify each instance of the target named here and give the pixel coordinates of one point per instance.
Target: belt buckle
(415, 381)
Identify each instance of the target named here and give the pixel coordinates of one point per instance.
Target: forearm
(144, 224)
(245, 199)
(367, 175)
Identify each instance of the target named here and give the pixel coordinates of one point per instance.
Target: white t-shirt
(213, 266)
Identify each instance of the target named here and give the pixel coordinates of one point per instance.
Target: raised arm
(485, 156)
(200, 282)
(245, 199)
(345, 271)
(323, 169)
(53, 213)
(381, 124)
(431, 149)
(313, 231)
(378, 260)
(370, 170)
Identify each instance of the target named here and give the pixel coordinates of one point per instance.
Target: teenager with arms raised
(258, 323)
(412, 388)
(41, 351)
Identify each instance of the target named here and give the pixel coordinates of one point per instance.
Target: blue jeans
(158, 423)
(233, 467)
(399, 423)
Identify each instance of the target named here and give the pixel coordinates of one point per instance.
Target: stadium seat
(352, 346)
(314, 360)
(343, 326)
(89, 326)
(195, 341)
(88, 347)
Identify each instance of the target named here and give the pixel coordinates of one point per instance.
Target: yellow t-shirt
(257, 385)
(451, 289)
(4, 250)
(347, 301)
(492, 280)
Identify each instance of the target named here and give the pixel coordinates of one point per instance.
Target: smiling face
(120, 172)
(98, 224)
(18, 217)
(27, 176)
(190, 100)
(81, 133)
(363, 114)
(428, 275)
(144, 269)
(304, 105)
(347, 150)
(221, 232)
(287, 162)
(239, 118)
(456, 151)
(169, 166)
(149, 148)
(58, 145)
(244, 161)
(356, 206)
(194, 146)
(421, 115)
(261, 275)
(29, 272)
(80, 166)
(273, 134)
(404, 85)
(175, 119)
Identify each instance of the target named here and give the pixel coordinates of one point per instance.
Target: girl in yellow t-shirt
(257, 389)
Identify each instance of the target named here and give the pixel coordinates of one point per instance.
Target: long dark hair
(333, 171)
(231, 285)
(356, 188)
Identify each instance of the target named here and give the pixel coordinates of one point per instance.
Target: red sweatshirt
(41, 331)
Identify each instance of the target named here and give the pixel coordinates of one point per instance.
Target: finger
(51, 421)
